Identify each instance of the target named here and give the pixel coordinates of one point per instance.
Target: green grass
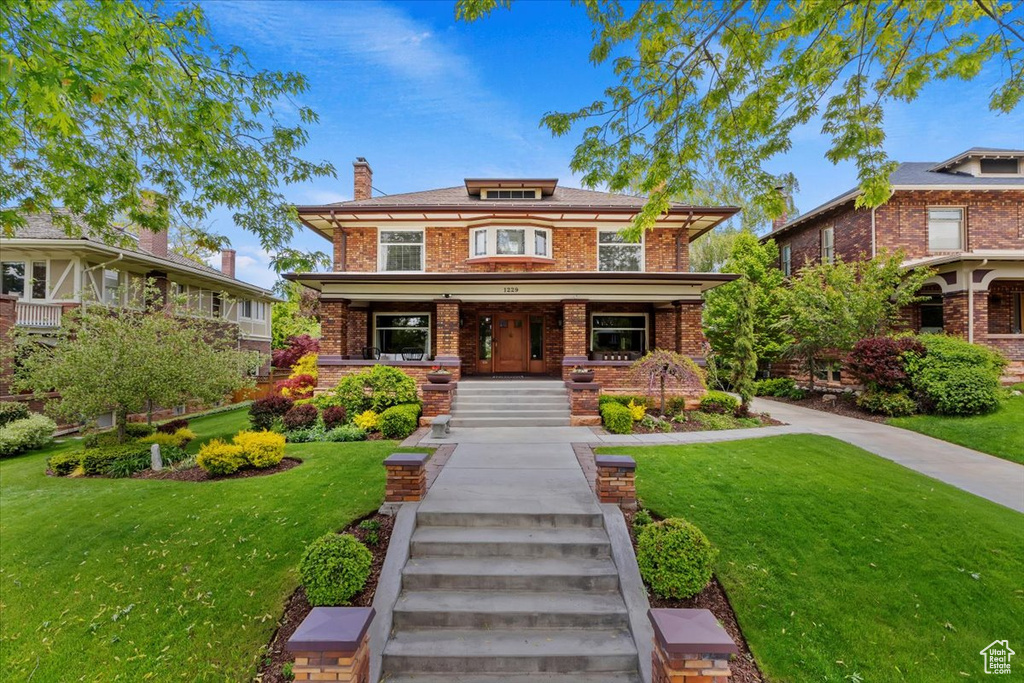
(132, 580)
(838, 562)
(999, 433)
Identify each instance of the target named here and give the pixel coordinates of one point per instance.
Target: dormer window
(510, 194)
(510, 242)
(1000, 166)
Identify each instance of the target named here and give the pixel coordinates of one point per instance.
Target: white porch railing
(37, 315)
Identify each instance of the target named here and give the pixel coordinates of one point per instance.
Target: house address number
(511, 290)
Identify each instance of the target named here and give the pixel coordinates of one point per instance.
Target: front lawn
(126, 579)
(999, 433)
(842, 566)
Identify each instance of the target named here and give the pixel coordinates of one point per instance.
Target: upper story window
(510, 194)
(24, 279)
(510, 242)
(786, 259)
(1000, 166)
(828, 245)
(614, 253)
(945, 229)
(401, 250)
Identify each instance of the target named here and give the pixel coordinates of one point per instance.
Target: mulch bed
(694, 426)
(197, 473)
(713, 598)
(844, 405)
(297, 606)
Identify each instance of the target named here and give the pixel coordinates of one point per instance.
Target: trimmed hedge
(623, 399)
(399, 422)
(100, 460)
(63, 464)
(675, 558)
(334, 568)
(891, 403)
(955, 377)
(720, 403)
(376, 389)
(30, 433)
(617, 418)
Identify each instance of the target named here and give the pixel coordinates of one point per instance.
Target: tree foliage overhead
(727, 83)
(104, 100)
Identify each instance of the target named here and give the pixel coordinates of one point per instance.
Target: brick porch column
(666, 328)
(447, 328)
(691, 329)
(954, 314)
(333, 327)
(332, 644)
(358, 332)
(574, 334)
(690, 646)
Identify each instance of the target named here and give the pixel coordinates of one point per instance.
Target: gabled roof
(911, 175)
(40, 226)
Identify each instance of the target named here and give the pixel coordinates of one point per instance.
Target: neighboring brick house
(964, 217)
(45, 273)
(508, 277)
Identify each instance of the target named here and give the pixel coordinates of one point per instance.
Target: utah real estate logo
(997, 657)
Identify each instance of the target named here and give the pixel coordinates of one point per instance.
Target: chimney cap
(360, 160)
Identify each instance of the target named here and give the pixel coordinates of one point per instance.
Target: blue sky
(429, 101)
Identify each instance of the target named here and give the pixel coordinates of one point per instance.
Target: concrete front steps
(510, 403)
(510, 597)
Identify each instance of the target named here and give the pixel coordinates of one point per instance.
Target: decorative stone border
(331, 645)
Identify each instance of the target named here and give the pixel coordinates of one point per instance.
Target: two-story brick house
(507, 277)
(964, 217)
(45, 273)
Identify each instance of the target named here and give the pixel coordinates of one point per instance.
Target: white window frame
(430, 325)
(382, 249)
(828, 246)
(632, 314)
(786, 259)
(491, 242)
(120, 287)
(242, 304)
(26, 277)
(962, 233)
(642, 244)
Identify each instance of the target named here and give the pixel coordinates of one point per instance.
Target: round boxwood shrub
(261, 449)
(334, 568)
(719, 402)
(399, 422)
(617, 418)
(891, 403)
(220, 458)
(963, 391)
(675, 558)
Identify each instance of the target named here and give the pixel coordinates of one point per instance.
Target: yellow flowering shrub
(306, 365)
(637, 411)
(219, 457)
(367, 420)
(260, 449)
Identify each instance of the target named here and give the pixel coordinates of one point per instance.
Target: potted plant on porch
(439, 375)
(581, 374)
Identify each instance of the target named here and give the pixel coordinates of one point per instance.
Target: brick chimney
(227, 262)
(363, 176)
(153, 242)
(784, 218)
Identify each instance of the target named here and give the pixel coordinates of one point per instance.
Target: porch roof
(526, 286)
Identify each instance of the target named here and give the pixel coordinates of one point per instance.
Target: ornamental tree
(126, 360)
(660, 365)
(730, 83)
(103, 100)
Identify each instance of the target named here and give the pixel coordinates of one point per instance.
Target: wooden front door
(511, 342)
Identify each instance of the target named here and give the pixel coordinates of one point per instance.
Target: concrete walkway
(995, 479)
(998, 480)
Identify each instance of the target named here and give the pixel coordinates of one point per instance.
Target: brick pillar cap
(623, 462)
(406, 459)
(690, 631)
(328, 629)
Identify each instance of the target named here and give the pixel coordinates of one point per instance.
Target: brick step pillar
(331, 644)
(616, 480)
(690, 646)
(407, 477)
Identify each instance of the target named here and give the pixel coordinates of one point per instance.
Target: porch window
(619, 332)
(14, 278)
(111, 286)
(931, 314)
(251, 310)
(828, 245)
(39, 279)
(945, 229)
(614, 253)
(401, 250)
(398, 333)
(787, 260)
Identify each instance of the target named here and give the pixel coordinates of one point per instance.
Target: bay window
(510, 242)
(945, 229)
(402, 335)
(614, 253)
(401, 250)
(618, 332)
